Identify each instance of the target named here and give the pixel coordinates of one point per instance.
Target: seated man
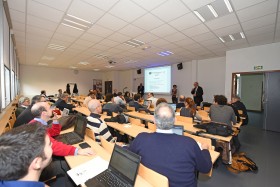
(96, 124)
(236, 103)
(152, 98)
(181, 102)
(174, 156)
(26, 115)
(24, 152)
(61, 103)
(23, 104)
(110, 106)
(119, 99)
(91, 95)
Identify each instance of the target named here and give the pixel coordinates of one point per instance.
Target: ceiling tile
(261, 30)
(175, 37)
(134, 10)
(61, 5)
(91, 38)
(147, 37)
(203, 37)
(240, 4)
(148, 4)
(185, 42)
(38, 32)
(89, 12)
(62, 29)
(261, 9)
(103, 5)
(261, 39)
(18, 26)
(195, 4)
(63, 37)
(83, 43)
(196, 30)
(131, 30)
(186, 21)
(163, 30)
(111, 22)
(108, 43)
(17, 5)
(43, 11)
(228, 30)
(223, 21)
(100, 31)
(117, 37)
(41, 23)
(175, 9)
(17, 16)
(259, 22)
(148, 22)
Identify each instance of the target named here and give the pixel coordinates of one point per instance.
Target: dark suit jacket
(141, 90)
(174, 156)
(61, 104)
(25, 117)
(199, 92)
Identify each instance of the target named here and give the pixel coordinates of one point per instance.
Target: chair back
(130, 108)
(108, 146)
(200, 139)
(184, 119)
(152, 126)
(90, 133)
(134, 121)
(152, 177)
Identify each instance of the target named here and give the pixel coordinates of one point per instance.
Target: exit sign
(258, 67)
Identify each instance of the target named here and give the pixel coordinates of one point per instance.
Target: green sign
(258, 67)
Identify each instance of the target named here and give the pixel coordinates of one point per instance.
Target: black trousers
(174, 99)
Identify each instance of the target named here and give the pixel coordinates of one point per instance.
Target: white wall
(33, 79)
(244, 60)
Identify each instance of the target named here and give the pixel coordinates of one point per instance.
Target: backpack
(216, 128)
(240, 163)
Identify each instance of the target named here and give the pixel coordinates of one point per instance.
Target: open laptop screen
(80, 126)
(125, 163)
(178, 129)
(173, 106)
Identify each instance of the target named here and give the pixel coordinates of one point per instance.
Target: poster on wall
(97, 84)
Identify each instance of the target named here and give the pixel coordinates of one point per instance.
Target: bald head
(164, 116)
(182, 98)
(38, 108)
(94, 106)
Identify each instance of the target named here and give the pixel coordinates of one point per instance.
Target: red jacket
(59, 148)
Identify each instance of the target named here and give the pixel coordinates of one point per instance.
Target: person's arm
(193, 91)
(202, 159)
(198, 117)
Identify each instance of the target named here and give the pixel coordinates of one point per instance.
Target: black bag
(119, 119)
(216, 129)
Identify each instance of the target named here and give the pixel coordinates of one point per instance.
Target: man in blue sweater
(174, 156)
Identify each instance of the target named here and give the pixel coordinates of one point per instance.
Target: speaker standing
(197, 93)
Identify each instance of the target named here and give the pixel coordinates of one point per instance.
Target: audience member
(24, 152)
(59, 93)
(115, 94)
(220, 112)
(152, 98)
(91, 95)
(26, 115)
(140, 89)
(44, 94)
(119, 100)
(136, 103)
(98, 94)
(98, 126)
(61, 103)
(174, 156)
(181, 103)
(190, 109)
(174, 94)
(23, 104)
(110, 105)
(160, 100)
(197, 93)
(127, 97)
(236, 103)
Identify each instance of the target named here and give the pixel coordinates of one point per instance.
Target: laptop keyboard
(71, 138)
(110, 180)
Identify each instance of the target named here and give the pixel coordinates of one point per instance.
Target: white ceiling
(163, 25)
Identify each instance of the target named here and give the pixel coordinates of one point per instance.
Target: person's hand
(205, 146)
(55, 117)
(120, 144)
(86, 152)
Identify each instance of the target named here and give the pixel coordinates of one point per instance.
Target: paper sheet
(88, 170)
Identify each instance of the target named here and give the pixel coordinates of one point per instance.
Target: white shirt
(119, 101)
(154, 100)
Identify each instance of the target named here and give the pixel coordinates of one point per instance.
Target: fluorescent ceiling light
(43, 64)
(109, 66)
(72, 67)
(72, 26)
(212, 10)
(228, 5)
(222, 39)
(96, 69)
(56, 47)
(79, 18)
(242, 35)
(84, 63)
(134, 43)
(199, 16)
(165, 53)
(231, 37)
(75, 22)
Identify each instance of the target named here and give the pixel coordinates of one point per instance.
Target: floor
(259, 145)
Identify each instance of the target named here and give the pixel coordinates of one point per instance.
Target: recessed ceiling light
(56, 47)
(222, 39)
(75, 22)
(79, 18)
(72, 27)
(43, 64)
(231, 37)
(165, 53)
(212, 10)
(228, 5)
(109, 66)
(134, 43)
(242, 35)
(84, 63)
(72, 67)
(199, 16)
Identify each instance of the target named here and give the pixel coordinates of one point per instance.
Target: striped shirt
(99, 128)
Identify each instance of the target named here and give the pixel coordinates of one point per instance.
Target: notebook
(147, 103)
(122, 170)
(77, 135)
(65, 112)
(178, 129)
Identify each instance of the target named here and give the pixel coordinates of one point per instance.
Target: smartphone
(84, 145)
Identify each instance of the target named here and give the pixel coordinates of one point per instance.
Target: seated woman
(220, 112)
(190, 109)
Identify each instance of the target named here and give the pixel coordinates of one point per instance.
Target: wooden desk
(74, 161)
(137, 115)
(83, 110)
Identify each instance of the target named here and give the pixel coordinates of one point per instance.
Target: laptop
(77, 135)
(65, 112)
(147, 103)
(173, 105)
(178, 129)
(122, 170)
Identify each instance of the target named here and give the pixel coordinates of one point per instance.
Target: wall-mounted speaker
(180, 66)
(139, 71)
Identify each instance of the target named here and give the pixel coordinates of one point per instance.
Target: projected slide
(158, 80)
